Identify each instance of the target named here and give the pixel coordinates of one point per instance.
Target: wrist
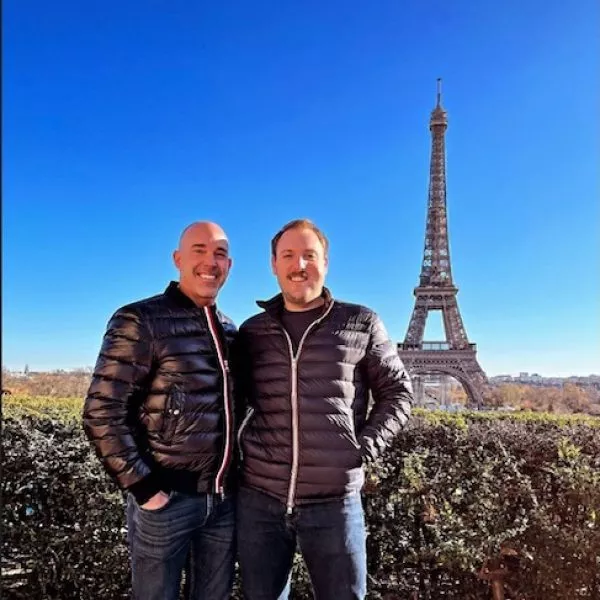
(145, 489)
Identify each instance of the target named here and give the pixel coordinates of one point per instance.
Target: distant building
(590, 381)
(501, 378)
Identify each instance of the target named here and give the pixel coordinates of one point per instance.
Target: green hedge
(454, 492)
(458, 490)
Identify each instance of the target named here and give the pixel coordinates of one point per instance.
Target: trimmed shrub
(63, 519)
(517, 493)
(455, 492)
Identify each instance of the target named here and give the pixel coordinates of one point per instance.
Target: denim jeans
(192, 532)
(331, 536)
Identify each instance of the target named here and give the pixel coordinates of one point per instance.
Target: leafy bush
(455, 492)
(63, 519)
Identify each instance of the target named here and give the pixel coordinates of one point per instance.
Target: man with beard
(308, 363)
(159, 413)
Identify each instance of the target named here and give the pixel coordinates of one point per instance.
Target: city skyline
(112, 145)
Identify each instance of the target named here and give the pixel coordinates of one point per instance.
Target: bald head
(203, 262)
(202, 228)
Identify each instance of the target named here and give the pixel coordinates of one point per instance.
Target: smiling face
(300, 265)
(203, 262)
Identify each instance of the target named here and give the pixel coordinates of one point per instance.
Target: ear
(176, 258)
(273, 266)
(326, 264)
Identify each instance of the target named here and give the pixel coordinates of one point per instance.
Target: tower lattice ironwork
(455, 356)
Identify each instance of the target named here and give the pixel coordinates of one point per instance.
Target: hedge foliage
(517, 493)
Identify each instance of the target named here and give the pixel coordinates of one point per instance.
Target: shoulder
(139, 311)
(145, 306)
(354, 312)
(257, 321)
(352, 309)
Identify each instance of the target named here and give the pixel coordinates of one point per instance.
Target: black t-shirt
(296, 322)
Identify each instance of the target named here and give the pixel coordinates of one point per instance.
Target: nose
(301, 263)
(207, 262)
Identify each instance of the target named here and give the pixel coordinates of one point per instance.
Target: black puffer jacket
(158, 410)
(308, 430)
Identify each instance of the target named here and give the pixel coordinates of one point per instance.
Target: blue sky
(125, 121)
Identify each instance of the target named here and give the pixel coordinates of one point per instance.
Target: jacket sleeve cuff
(144, 489)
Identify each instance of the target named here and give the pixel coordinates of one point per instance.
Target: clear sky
(125, 121)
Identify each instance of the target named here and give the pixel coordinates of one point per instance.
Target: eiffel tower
(455, 356)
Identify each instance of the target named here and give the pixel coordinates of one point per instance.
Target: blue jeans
(331, 536)
(192, 532)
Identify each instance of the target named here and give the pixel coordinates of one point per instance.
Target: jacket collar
(274, 306)
(176, 295)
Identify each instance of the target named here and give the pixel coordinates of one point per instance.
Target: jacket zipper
(225, 368)
(241, 430)
(294, 402)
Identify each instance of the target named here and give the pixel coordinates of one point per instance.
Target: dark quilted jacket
(313, 448)
(156, 410)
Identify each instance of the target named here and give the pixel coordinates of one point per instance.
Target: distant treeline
(570, 398)
(58, 384)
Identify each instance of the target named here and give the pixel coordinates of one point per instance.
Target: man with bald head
(159, 413)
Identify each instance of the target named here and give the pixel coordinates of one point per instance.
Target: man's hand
(157, 501)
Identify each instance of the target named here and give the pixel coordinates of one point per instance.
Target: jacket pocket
(352, 430)
(355, 450)
(243, 426)
(172, 413)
